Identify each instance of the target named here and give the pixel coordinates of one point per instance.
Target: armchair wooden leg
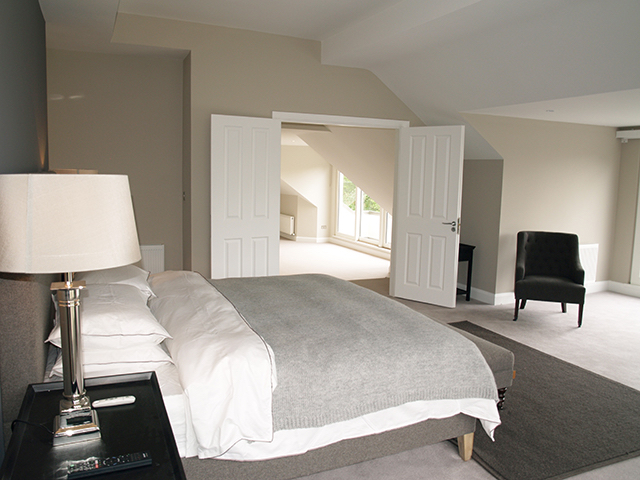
(520, 303)
(580, 309)
(564, 308)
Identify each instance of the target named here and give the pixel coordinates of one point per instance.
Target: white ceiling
(572, 61)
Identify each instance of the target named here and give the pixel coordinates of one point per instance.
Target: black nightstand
(465, 254)
(141, 426)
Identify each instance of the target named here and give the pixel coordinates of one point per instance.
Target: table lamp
(63, 224)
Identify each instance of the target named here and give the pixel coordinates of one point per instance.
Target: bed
(194, 332)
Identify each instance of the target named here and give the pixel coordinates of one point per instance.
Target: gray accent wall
(23, 87)
(23, 109)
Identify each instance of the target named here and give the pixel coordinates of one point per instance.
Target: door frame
(292, 117)
(342, 121)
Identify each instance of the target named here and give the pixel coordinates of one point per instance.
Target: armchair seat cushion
(550, 289)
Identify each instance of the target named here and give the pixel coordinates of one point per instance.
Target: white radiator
(287, 224)
(589, 261)
(152, 258)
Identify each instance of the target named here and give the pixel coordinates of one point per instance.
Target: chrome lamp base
(77, 421)
(75, 426)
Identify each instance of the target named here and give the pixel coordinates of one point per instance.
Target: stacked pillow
(119, 332)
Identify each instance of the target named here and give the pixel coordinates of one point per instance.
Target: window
(370, 219)
(359, 217)
(348, 196)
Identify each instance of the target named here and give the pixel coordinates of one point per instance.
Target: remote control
(97, 466)
(113, 401)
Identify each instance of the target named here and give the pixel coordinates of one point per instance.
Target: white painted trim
(635, 253)
(297, 238)
(313, 118)
(312, 239)
(596, 287)
(507, 297)
(362, 247)
(624, 289)
(628, 134)
(484, 297)
(500, 298)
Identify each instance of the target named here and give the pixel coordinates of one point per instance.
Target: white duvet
(225, 368)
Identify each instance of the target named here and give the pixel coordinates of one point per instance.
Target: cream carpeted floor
(608, 343)
(302, 257)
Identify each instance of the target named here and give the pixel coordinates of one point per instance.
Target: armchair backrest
(549, 253)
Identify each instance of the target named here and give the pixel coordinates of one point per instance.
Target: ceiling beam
(393, 22)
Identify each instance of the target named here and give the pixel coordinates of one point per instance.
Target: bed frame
(26, 320)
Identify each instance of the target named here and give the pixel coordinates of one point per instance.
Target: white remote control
(113, 401)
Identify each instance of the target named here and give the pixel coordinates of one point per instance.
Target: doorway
(365, 149)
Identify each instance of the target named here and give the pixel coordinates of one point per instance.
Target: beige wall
(480, 220)
(554, 176)
(123, 115)
(310, 175)
(626, 216)
(557, 177)
(239, 72)
(366, 156)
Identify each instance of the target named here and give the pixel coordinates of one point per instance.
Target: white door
(426, 217)
(245, 196)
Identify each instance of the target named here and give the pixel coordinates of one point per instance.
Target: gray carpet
(560, 419)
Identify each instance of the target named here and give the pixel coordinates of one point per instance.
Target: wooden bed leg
(465, 446)
(502, 392)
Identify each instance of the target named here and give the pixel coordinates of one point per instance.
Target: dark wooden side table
(465, 254)
(141, 426)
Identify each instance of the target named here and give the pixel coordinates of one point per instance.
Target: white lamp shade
(66, 223)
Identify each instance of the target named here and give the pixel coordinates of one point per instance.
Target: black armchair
(548, 268)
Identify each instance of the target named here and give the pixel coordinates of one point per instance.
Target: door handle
(453, 225)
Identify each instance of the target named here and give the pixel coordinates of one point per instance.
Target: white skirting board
(152, 258)
(589, 261)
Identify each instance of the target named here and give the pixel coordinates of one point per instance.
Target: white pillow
(127, 275)
(114, 316)
(142, 358)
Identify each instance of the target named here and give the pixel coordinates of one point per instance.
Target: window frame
(385, 218)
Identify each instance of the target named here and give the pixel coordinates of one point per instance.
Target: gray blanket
(343, 351)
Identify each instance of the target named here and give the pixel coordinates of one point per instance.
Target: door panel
(426, 214)
(245, 196)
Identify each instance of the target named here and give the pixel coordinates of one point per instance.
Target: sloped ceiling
(572, 61)
(364, 155)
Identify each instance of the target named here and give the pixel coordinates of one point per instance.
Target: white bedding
(224, 367)
(208, 422)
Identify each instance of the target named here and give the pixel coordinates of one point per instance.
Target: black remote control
(99, 465)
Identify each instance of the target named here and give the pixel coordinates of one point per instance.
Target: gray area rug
(559, 419)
